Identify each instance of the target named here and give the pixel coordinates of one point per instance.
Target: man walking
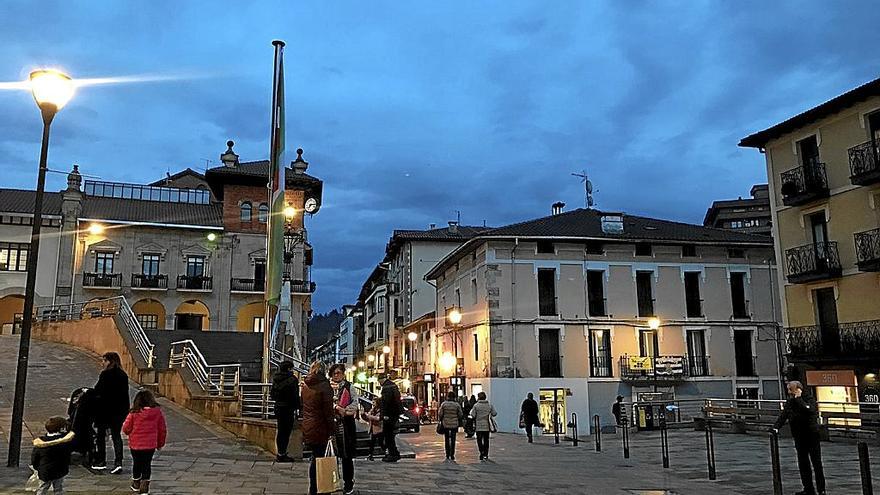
(392, 407)
(617, 411)
(285, 393)
(802, 413)
(528, 415)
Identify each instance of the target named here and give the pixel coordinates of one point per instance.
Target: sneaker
(348, 491)
(99, 466)
(135, 485)
(116, 469)
(390, 459)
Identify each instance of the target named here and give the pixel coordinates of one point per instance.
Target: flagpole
(273, 158)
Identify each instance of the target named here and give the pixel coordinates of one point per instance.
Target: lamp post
(454, 316)
(52, 90)
(386, 352)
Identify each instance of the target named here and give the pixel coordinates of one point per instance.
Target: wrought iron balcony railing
(868, 250)
(302, 287)
(102, 280)
(854, 340)
(816, 261)
(864, 163)
(248, 285)
(200, 282)
(698, 365)
(653, 368)
(600, 366)
(142, 281)
(804, 184)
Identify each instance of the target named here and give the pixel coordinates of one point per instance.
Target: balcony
(199, 283)
(817, 261)
(868, 250)
(600, 366)
(653, 370)
(698, 366)
(804, 184)
(149, 282)
(256, 286)
(102, 280)
(864, 163)
(842, 342)
(302, 287)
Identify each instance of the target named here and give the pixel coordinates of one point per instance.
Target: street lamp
(386, 351)
(454, 316)
(52, 90)
(654, 323)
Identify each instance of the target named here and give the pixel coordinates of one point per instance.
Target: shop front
(837, 392)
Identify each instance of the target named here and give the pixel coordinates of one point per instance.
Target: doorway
(826, 316)
(187, 321)
(551, 410)
(648, 343)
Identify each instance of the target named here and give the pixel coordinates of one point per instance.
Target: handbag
(327, 477)
(33, 483)
(493, 426)
(440, 429)
(522, 421)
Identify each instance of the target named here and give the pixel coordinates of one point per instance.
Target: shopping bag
(33, 483)
(327, 471)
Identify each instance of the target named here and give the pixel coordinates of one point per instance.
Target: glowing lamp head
(447, 362)
(454, 316)
(52, 89)
(362, 376)
(371, 358)
(386, 350)
(96, 229)
(289, 213)
(212, 237)
(654, 323)
(406, 383)
(412, 336)
(361, 364)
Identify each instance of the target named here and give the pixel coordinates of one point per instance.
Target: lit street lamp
(52, 90)
(386, 351)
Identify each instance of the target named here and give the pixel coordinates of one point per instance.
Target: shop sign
(638, 363)
(429, 378)
(831, 378)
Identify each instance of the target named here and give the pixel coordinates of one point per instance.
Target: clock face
(311, 205)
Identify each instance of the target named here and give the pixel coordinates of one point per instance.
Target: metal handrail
(136, 332)
(216, 379)
(255, 400)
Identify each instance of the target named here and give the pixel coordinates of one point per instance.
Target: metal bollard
(710, 450)
(625, 438)
(664, 442)
(597, 430)
(774, 458)
(556, 427)
(865, 469)
(574, 425)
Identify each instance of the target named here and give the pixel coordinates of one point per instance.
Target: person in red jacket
(146, 430)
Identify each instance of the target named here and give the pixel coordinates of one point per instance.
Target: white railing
(255, 401)
(276, 357)
(215, 379)
(97, 309)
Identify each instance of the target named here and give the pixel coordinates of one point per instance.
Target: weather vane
(588, 188)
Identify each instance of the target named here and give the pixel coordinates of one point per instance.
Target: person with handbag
(317, 417)
(347, 408)
(449, 419)
(483, 413)
(528, 415)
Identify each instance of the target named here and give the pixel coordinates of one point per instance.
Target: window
(476, 298)
(745, 359)
(548, 352)
(736, 253)
(826, 316)
(263, 213)
(698, 362)
(246, 211)
(644, 293)
(258, 324)
(593, 247)
(738, 295)
(104, 262)
(547, 291)
(13, 256)
(596, 292)
(546, 247)
(693, 302)
(150, 264)
(476, 347)
(689, 251)
(148, 321)
(649, 345)
(643, 249)
(600, 353)
(380, 331)
(808, 149)
(380, 304)
(195, 266)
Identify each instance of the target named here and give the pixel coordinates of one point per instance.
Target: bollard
(664, 442)
(774, 458)
(625, 437)
(865, 469)
(556, 427)
(710, 450)
(574, 425)
(597, 430)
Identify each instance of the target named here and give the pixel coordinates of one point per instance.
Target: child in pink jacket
(145, 427)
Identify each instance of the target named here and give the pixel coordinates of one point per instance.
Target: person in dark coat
(112, 391)
(51, 455)
(285, 393)
(466, 406)
(617, 411)
(317, 412)
(801, 411)
(392, 408)
(528, 415)
(347, 407)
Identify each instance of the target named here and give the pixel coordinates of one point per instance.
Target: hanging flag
(275, 249)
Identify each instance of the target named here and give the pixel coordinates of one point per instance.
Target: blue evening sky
(410, 111)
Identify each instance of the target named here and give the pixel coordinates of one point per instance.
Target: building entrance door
(551, 410)
(186, 321)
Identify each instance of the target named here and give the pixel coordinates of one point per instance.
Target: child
(375, 419)
(145, 427)
(51, 455)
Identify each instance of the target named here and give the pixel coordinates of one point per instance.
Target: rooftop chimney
(229, 158)
(557, 207)
(612, 223)
(299, 165)
(453, 227)
(432, 226)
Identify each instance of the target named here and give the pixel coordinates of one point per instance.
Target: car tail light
(418, 409)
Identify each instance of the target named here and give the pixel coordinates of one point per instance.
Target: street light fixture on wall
(654, 323)
(52, 90)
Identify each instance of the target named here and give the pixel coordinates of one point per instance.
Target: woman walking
(317, 411)
(346, 406)
(449, 417)
(146, 430)
(374, 417)
(112, 393)
(483, 414)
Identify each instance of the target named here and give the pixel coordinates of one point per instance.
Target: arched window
(263, 213)
(246, 210)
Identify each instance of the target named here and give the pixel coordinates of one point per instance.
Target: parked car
(412, 411)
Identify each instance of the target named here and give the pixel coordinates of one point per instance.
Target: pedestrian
(483, 414)
(374, 417)
(392, 408)
(285, 393)
(617, 411)
(347, 407)
(146, 430)
(51, 456)
(449, 419)
(528, 415)
(112, 392)
(435, 408)
(801, 411)
(466, 406)
(317, 416)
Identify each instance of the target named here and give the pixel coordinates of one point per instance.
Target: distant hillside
(322, 327)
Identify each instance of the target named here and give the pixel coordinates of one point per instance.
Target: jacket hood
(311, 380)
(49, 441)
(150, 412)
